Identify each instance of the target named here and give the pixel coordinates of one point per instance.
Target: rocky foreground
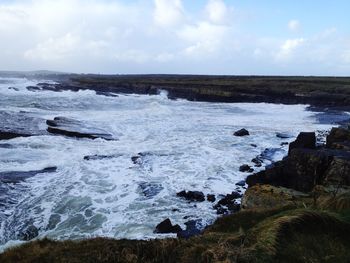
(297, 210)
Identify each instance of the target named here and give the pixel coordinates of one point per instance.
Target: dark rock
(74, 128)
(100, 157)
(284, 143)
(135, 159)
(29, 233)
(53, 221)
(283, 135)
(166, 227)
(257, 161)
(229, 198)
(242, 132)
(150, 189)
(211, 198)
(192, 195)
(338, 172)
(245, 168)
(253, 145)
(191, 230)
(234, 207)
(241, 183)
(16, 177)
(304, 140)
(337, 135)
(14, 124)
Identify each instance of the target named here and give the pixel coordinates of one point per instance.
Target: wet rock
(194, 196)
(29, 233)
(241, 132)
(150, 189)
(19, 124)
(53, 221)
(304, 140)
(282, 135)
(74, 128)
(257, 161)
(241, 183)
(191, 230)
(136, 159)
(336, 136)
(211, 198)
(228, 204)
(100, 157)
(166, 227)
(245, 168)
(15, 177)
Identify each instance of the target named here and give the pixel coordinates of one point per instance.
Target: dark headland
(297, 210)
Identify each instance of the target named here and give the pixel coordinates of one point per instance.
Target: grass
(278, 235)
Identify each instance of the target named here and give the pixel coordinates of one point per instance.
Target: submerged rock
(15, 177)
(241, 132)
(29, 233)
(282, 135)
(166, 227)
(245, 168)
(194, 196)
(19, 124)
(150, 189)
(191, 230)
(74, 128)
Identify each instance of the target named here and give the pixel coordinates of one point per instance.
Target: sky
(230, 37)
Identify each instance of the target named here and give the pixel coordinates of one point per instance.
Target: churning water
(184, 146)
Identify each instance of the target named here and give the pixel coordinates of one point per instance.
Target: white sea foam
(188, 146)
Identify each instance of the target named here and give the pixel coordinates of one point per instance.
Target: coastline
(286, 206)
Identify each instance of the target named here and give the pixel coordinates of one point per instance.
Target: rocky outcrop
(304, 140)
(339, 138)
(14, 177)
(166, 227)
(305, 166)
(74, 128)
(245, 168)
(192, 196)
(19, 124)
(269, 197)
(241, 132)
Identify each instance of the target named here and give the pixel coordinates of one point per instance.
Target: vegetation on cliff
(280, 220)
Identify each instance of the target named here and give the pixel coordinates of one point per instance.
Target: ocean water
(184, 146)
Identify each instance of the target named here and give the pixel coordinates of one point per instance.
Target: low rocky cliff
(298, 210)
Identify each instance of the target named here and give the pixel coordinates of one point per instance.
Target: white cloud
(294, 25)
(55, 48)
(159, 36)
(203, 38)
(217, 11)
(168, 12)
(288, 47)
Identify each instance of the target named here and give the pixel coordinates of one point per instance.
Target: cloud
(160, 36)
(289, 47)
(168, 12)
(294, 25)
(217, 11)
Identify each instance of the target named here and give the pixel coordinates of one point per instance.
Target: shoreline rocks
(192, 196)
(74, 128)
(241, 133)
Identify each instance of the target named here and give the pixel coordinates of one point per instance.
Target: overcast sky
(273, 37)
